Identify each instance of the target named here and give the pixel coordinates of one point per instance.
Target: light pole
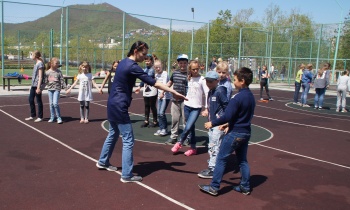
(192, 9)
(337, 44)
(61, 36)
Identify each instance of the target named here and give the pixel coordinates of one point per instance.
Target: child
(222, 70)
(149, 94)
(238, 114)
(179, 81)
(217, 102)
(297, 84)
(320, 84)
(264, 82)
(196, 88)
(86, 80)
(54, 82)
(342, 84)
(36, 87)
(109, 77)
(306, 80)
(163, 99)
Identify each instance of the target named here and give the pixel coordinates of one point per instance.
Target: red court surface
(305, 165)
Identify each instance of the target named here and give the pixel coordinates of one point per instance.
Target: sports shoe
(163, 132)
(337, 110)
(157, 133)
(144, 124)
(271, 99)
(344, 110)
(191, 152)
(241, 189)
(320, 108)
(131, 179)
(29, 118)
(315, 107)
(51, 120)
(305, 105)
(108, 168)
(38, 120)
(176, 147)
(170, 141)
(295, 103)
(261, 99)
(208, 189)
(59, 121)
(153, 125)
(206, 174)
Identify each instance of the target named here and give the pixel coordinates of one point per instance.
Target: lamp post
(337, 44)
(192, 9)
(61, 35)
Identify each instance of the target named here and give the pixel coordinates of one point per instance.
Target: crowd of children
(229, 116)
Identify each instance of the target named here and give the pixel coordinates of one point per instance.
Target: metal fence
(280, 46)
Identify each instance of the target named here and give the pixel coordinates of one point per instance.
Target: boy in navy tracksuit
(217, 102)
(238, 116)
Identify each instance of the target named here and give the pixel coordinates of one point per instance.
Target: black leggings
(150, 104)
(264, 83)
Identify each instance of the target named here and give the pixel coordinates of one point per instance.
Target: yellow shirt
(298, 77)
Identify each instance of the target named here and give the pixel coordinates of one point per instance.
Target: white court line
(94, 160)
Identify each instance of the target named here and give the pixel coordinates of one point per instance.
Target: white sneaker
(50, 120)
(38, 120)
(59, 121)
(163, 132)
(29, 118)
(157, 133)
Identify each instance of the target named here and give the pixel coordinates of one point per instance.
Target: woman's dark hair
(118, 61)
(139, 46)
(244, 73)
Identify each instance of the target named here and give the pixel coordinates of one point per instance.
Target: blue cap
(212, 75)
(182, 57)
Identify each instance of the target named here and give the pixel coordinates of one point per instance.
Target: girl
(85, 93)
(264, 82)
(320, 84)
(306, 82)
(109, 77)
(163, 99)
(149, 94)
(55, 82)
(196, 88)
(118, 104)
(297, 84)
(36, 87)
(342, 84)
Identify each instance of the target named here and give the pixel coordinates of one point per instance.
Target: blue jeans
(296, 92)
(54, 95)
(319, 96)
(191, 116)
(128, 145)
(32, 95)
(237, 142)
(306, 88)
(162, 105)
(215, 138)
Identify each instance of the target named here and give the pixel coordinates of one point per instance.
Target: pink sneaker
(176, 147)
(191, 152)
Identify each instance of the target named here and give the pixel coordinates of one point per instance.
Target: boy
(238, 116)
(222, 69)
(217, 102)
(179, 80)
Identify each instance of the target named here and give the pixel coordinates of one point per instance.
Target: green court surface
(259, 134)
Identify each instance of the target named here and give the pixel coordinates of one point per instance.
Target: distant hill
(83, 20)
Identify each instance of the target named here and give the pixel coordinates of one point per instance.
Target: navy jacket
(239, 112)
(120, 96)
(217, 102)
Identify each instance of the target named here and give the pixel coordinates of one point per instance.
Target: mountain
(92, 20)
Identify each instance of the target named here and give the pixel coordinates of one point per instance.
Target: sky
(320, 11)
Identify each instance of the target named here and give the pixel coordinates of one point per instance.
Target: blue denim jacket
(217, 102)
(307, 76)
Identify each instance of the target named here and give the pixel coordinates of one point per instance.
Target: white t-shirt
(85, 86)
(196, 88)
(163, 78)
(149, 90)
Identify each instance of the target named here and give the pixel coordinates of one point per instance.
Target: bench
(8, 79)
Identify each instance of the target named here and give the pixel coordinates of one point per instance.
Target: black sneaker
(153, 125)
(108, 168)
(144, 124)
(131, 179)
(241, 189)
(206, 174)
(208, 189)
(171, 141)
